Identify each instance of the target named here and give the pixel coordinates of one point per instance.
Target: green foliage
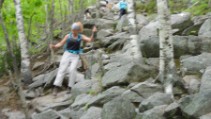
(196, 7)
(200, 8)
(149, 7)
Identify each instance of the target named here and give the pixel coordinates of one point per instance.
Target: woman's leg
(64, 63)
(72, 70)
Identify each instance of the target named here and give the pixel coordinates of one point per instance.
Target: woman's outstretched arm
(60, 44)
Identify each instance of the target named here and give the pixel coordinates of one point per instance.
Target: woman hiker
(123, 8)
(70, 58)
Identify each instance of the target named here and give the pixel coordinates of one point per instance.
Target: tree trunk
(167, 69)
(62, 18)
(30, 26)
(50, 21)
(14, 79)
(25, 59)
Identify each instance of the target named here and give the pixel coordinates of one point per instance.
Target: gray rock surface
(50, 114)
(196, 63)
(205, 29)
(92, 113)
(155, 113)
(198, 105)
(118, 108)
(156, 99)
(132, 96)
(81, 101)
(128, 73)
(81, 88)
(106, 96)
(44, 103)
(181, 21)
(100, 23)
(45, 79)
(206, 81)
(183, 45)
(146, 89)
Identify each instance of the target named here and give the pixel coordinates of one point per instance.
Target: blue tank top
(73, 45)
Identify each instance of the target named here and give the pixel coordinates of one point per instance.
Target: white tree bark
(14, 78)
(25, 59)
(167, 66)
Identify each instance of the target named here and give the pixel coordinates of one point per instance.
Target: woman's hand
(52, 46)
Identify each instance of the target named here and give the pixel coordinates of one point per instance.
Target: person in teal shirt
(123, 8)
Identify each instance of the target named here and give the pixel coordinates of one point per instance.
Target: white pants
(69, 61)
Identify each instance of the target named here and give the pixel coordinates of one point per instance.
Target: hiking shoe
(69, 90)
(55, 91)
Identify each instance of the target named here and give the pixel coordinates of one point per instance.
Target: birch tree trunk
(14, 79)
(25, 59)
(167, 69)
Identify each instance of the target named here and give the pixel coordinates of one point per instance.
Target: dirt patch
(10, 100)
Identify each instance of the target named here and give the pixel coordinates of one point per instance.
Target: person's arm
(91, 38)
(61, 43)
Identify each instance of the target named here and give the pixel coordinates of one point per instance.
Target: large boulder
(128, 73)
(155, 113)
(81, 87)
(106, 96)
(44, 79)
(146, 89)
(81, 101)
(155, 100)
(181, 21)
(132, 96)
(205, 29)
(141, 20)
(66, 113)
(173, 110)
(129, 53)
(92, 113)
(118, 108)
(103, 33)
(178, 21)
(206, 81)
(114, 38)
(100, 23)
(197, 22)
(50, 114)
(192, 83)
(183, 45)
(47, 102)
(196, 63)
(198, 105)
(150, 30)
(72, 113)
